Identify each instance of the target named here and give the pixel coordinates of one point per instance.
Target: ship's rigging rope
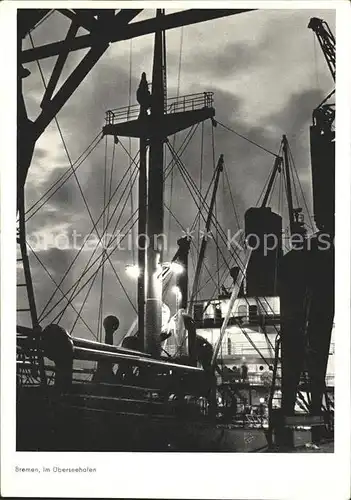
(59, 288)
(246, 139)
(187, 178)
(104, 228)
(191, 241)
(91, 232)
(106, 256)
(267, 180)
(200, 193)
(129, 138)
(182, 148)
(202, 203)
(231, 196)
(300, 187)
(63, 180)
(190, 182)
(201, 169)
(92, 264)
(174, 140)
(215, 205)
(78, 183)
(236, 258)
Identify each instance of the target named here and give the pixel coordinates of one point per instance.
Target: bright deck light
(133, 271)
(176, 291)
(176, 268)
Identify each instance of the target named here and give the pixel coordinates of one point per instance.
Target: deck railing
(190, 102)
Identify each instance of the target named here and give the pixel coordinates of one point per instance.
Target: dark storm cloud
(235, 57)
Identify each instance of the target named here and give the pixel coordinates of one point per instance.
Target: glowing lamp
(176, 291)
(176, 268)
(133, 271)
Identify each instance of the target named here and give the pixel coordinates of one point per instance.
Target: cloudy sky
(267, 73)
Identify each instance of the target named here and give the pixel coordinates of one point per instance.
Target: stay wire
(272, 191)
(105, 253)
(100, 312)
(174, 143)
(204, 198)
(247, 139)
(57, 286)
(236, 258)
(180, 151)
(91, 232)
(231, 196)
(215, 205)
(195, 201)
(191, 241)
(98, 338)
(86, 239)
(129, 138)
(69, 158)
(201, 170)
(186, 174)
(67, 173)
(302, 192)
(93, 263)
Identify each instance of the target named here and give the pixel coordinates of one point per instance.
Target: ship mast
(154, 222)
(166, 117)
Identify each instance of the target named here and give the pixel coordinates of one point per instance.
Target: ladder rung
(19, 260)
(23, 310)
(21, 284)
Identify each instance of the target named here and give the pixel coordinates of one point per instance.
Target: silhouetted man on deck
(143, 96)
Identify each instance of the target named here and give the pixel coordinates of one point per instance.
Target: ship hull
(45, 425)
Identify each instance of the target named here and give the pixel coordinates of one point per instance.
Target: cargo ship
(180, 379)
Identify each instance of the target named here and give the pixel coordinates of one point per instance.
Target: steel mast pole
(141, 239)
(200, 260)
(288, 184)
(154, 250)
